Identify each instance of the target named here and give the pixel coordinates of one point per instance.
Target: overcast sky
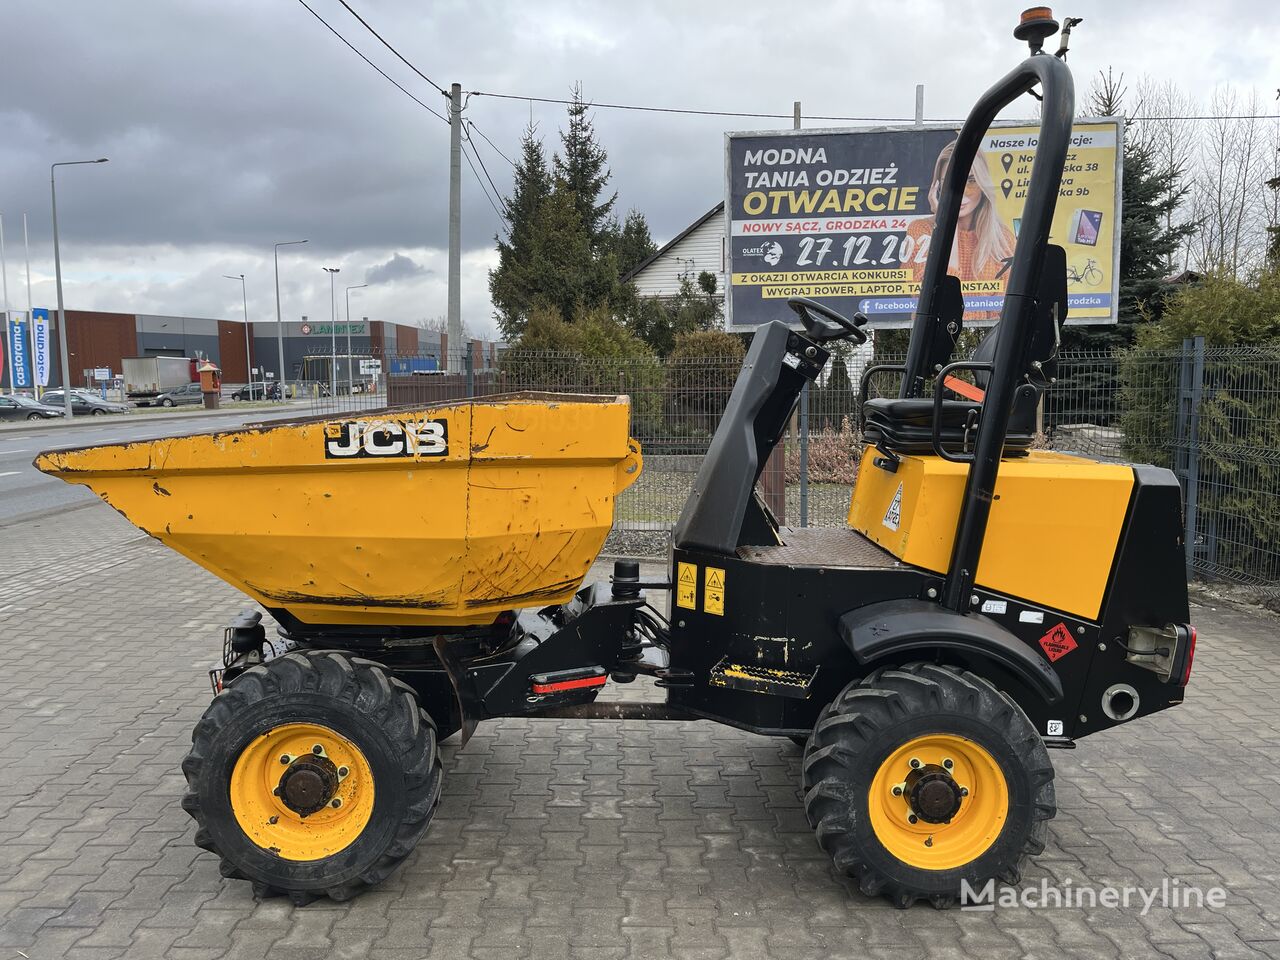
(236, 123)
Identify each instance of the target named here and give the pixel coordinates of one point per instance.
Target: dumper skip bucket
(434, 516)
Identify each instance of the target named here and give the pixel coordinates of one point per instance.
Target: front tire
(166, 402)
(921, 778)
(312, 775)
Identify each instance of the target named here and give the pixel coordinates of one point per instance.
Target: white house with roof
(700, 246)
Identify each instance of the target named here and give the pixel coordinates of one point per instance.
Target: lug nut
(897, 790)
(343, 771)
(284, 759)
(336, 803)
(948, 763)
(912, 818)
(914, 763)
(964, 791)
(317, 749)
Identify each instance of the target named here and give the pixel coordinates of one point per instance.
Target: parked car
(84, 403)
(187, 393)
(257, 391)
(24, 408)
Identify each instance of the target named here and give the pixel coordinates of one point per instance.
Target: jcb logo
(386, 438)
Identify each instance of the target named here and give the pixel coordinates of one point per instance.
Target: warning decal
(893, 516)
(713, 592)
(687, 586)
(1058, 642)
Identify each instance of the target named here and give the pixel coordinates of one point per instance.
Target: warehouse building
(99, 341)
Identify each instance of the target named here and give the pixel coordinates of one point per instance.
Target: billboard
(846, 217)
(17, 338)
(40, 345)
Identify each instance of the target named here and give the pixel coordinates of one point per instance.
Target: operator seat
(905, 426)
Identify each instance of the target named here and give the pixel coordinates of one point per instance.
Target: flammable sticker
(713, 591)
(1058, 642)
(687, 586)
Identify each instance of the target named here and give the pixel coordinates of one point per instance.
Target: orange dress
(964, 252)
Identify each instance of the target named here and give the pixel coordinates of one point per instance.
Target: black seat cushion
(906, 426)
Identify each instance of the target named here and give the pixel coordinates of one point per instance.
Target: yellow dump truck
(424, 567)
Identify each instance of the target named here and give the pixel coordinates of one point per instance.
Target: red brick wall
(98, 339)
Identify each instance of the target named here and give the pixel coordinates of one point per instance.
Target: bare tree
(1227, 196)
(1172, 143)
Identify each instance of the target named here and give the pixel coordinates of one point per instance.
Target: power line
(491, 143)
(788, 116)
(474, 173)
(365, 24)
(496, 191)
(371, 63)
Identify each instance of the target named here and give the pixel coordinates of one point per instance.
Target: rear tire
(34, 416)
(364, 826)
(857, 762)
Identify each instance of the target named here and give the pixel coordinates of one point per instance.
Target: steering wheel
(828, 325)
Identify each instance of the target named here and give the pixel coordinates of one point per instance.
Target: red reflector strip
(560, 686)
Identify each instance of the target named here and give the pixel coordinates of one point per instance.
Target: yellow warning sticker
(713, 591)
(687, 586)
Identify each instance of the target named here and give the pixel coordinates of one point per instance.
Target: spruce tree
(633, 244)
(583, 169)
(512, 283)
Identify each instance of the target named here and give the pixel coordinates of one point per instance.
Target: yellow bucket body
(441, 515)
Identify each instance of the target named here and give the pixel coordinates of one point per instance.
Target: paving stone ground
(562, 839)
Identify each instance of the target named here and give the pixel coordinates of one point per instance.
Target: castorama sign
(40, 345)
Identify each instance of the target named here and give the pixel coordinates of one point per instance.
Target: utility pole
(333, 333)
(248, 360)
(280, 322)
(350, 375)
(4, 270)
(919, 104)
(57, 273)
(455, 226)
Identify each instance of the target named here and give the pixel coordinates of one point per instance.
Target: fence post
(804, 455)
(1187, 439)
(469, 365)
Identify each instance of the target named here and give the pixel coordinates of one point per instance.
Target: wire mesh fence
(1211, 415)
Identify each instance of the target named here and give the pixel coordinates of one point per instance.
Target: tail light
(1191, 654)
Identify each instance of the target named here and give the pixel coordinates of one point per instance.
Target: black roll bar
(1016, 327)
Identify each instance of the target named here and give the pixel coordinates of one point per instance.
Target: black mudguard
(887, 632)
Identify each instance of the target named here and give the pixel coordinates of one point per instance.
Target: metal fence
(1210, 414)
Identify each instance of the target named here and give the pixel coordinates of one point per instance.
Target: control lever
(827, 324)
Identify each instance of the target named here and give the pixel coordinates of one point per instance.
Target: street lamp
(279, 322)
(333, 333)
(356, 286)
(57, 270)
(248, 360)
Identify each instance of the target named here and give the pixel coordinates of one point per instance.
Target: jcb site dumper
(986, 601)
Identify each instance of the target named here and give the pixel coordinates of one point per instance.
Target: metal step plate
(759, 679)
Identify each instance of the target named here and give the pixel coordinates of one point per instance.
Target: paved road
(25, 491)
(569, 839)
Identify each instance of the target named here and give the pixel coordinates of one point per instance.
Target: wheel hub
(933, 794)
(308, 784)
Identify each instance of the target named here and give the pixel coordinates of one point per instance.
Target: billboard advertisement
(40, 341)
(17, 338)
(846, 217)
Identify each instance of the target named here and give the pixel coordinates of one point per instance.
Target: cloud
(399, 267)
(235, 124)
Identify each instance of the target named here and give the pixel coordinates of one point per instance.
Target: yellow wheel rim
(265, 818)
(974, 827)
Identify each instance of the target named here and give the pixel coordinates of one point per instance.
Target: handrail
(1016, 317)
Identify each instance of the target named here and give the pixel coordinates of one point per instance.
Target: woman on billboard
(983, 243)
